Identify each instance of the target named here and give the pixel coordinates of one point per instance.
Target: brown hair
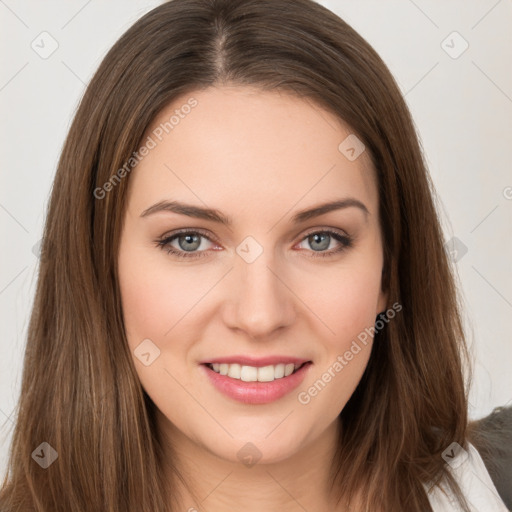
(80, 392)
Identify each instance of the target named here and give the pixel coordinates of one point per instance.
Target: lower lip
(256, 392)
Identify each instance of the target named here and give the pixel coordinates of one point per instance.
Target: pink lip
(257, 362)
(256, 392)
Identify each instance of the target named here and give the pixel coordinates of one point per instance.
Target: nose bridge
(261, 302)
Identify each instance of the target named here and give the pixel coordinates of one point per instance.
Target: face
(220, 263)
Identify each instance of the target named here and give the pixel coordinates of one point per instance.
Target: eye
(185, 244)
(190, 243)
(319, 241)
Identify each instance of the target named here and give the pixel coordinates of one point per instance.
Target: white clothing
(471, 474)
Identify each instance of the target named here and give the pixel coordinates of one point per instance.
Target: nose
(261, 302)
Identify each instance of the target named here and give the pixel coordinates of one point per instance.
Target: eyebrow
(216, 216)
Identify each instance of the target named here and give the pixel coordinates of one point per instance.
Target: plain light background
(460, 99)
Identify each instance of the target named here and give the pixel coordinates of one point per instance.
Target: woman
(243, 292)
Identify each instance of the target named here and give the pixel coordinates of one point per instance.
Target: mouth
(255, 384)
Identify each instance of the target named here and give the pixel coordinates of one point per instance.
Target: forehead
(243, 146)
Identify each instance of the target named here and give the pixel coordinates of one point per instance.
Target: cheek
(347, 307)
(145, 302)
(344, 299)
(154, 297)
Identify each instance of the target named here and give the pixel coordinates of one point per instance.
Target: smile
(255, 385)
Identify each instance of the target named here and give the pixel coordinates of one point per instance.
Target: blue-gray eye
(320, 240)
(189, 242)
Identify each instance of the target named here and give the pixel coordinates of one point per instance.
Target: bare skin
(259, 158)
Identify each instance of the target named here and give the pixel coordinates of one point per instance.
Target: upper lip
(256, 361)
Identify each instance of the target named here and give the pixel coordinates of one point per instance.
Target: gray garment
(492, 437)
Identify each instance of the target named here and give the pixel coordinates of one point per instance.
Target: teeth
(234, 371)
(253, 374)
(279, 371)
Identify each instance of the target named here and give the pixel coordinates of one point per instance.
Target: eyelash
(164, 243)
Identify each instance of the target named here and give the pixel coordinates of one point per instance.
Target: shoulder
(469, 470)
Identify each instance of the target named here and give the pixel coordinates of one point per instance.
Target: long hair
(80, 392)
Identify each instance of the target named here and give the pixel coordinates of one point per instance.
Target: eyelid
(324, 229)
(183, 231)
